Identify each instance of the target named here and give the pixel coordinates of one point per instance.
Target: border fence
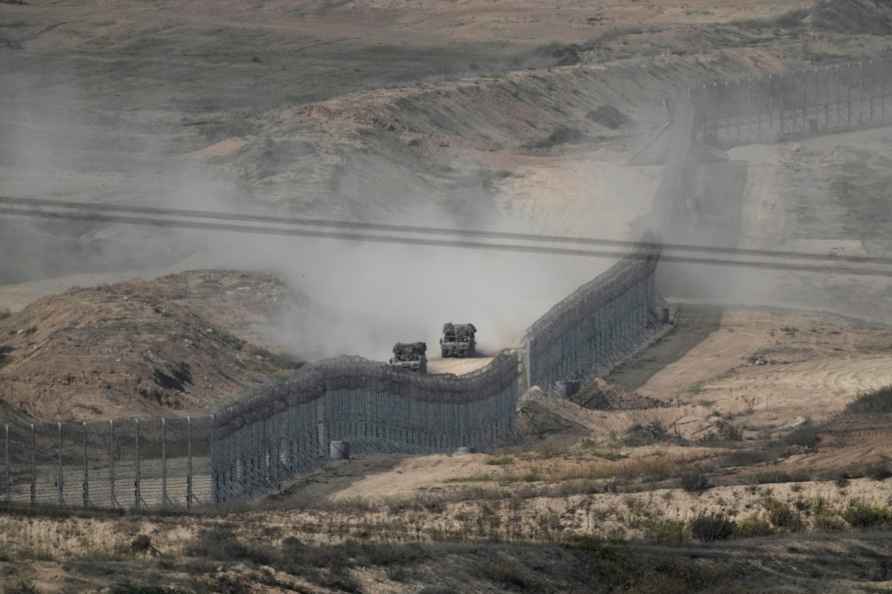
(795, 104)
(252, 447)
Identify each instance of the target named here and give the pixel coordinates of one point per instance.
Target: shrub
(389, 554)
(771, 476)
(872, 403)
(712, 527)
(753, 526)
(23, 586)
(220, 543)
(695, 482)
(4, 313)
(829, 521)
(878, 472)
(724, 431)
(806, 436)
(509, 574)
(747, 458)
(501, 461)
(781, 515)
(643, 435)
(666, 531)
(863, 515)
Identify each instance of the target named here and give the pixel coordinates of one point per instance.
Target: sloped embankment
(447, 144)
(872, 17)
(141, 347)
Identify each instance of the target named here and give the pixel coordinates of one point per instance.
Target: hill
(175, 345)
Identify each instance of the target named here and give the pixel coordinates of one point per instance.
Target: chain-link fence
(250, 448)
(601, 323)
(287, 429)
(795, 104)
(131, 464)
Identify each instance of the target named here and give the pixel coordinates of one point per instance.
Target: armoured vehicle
(410, 355)
(458, 340)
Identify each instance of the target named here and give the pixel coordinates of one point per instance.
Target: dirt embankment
(172, 346)
(854, 16)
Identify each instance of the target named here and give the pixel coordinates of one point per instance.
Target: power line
(415, 229)
(390, 239)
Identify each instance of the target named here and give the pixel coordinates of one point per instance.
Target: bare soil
(177, 345)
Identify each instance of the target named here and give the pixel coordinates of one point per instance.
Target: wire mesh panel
(153, 463)
(17, 467)
(795, 104)
(599, 324)
(48, 478)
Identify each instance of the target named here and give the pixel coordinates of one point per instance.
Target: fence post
(8, 464)
(265, 452)
(33, 498)
(86, 468)
(111, 464)
(163, 462)
(320, 427)
(215, 488)
(137, 496)
(188, 463)
(61, 471)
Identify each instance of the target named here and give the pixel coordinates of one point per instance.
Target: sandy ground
(761, 370)
(826, 196)
(458, 366)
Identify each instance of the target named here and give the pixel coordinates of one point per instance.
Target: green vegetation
(666, 531)
(806, 436)
(781, 515)
(878, 472)
(877, 402)
(713, 527)
(860, 514)
(23, 586)
(695, 482)
(753, 526)
(771, 477)
(646, 434)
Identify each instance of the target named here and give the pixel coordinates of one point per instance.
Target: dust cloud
(362, 297)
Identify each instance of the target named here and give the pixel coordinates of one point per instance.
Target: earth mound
(854, 16)
(602, 395)
(163, 347)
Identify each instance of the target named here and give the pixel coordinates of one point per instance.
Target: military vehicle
(458, 340)
(410, 355)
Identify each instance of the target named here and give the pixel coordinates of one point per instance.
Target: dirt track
(458, 366)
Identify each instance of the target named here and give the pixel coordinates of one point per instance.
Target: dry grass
(652, 468)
